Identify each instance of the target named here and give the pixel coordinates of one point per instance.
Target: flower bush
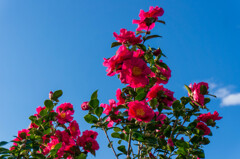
(146, 121)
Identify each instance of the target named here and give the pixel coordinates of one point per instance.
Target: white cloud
(222, 92)
(231, 100)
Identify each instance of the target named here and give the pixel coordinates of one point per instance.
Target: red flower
(74, 129)
(135, 72)
(196, 92)
(120, 99)
(205, 128)
(127, 37)
(140, 111)
(85, 106)
(205, 117)
(147, 19)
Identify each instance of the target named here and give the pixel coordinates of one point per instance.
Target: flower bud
(157, 52)
(85, 106)
(50, 95)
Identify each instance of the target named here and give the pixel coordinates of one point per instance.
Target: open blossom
(113, 64)
(65, 112)
(163, 94)
(135, 72)
(108, 108)
(74, 129)
(205, 117)
(51, 146)
(145, 22)
(196, 92)
(140, 111)
(22, 134)
(127, 37)
(204, 127)
(88, 141)
(120, 99)
(162, 74)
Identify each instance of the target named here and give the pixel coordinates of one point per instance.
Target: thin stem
(129, 144)
(110, 143)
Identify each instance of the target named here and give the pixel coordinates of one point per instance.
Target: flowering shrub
(146, 121)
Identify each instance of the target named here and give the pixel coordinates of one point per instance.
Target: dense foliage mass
(146, 121)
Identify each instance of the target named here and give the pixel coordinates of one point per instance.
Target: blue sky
(59, 44)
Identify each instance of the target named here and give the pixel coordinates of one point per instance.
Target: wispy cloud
(226, 95)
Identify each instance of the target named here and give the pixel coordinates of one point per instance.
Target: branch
(110, 143)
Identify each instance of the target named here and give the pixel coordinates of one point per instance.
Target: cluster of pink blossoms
(70, 138)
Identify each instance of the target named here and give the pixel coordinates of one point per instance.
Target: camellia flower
(196, 92)
(85, 106)
(140, 111)
(135, 72)
(148, 19)
(113, 64)
(52, 144)
(22, 134)
(205, 117)
(74, 129)
(205, 128)
(170, 142)
(108, 108)
(163, 94)
(120, 99)
(127, 37)
(138, 53)
(88, 141)
(65, 112)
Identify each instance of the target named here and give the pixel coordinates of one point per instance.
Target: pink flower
(196, 92)
(90, 133)
(148, 19)
(205, 117)
(135, 72)
(170, 142)
(126, 37)
(39, 109)
(74, 129)
(108, 108)
(22, 134)
(162, 74)
(205, 128)
(160, 117)
(138, 53)
(88, 141)
(85, 106)
(65, 112)
(140, 111)
(113, 64)
(52, 145)
(120, 99)
(166, 95)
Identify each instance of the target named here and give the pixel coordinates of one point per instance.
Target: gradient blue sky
(60, 44)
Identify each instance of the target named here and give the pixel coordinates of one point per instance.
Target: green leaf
(2, 143)
(161, 21)
(116, 129)
(90, 119)
(152, 36)
(167, 131)
(114, 44)
(203, 90)
(94, 95)
(81, 156)
(45, 132)
(122, 148)
(57, 94)
(49, 104)
(185, 100)
(94, 103)
(142, 47)
(176, 105)
(141, 96)
(58, 146)
(115, 135)
(206, 100)
(181, 143)
(43, 112)
(188, 89)
(98, 111)
(139, 32)
(33, 118)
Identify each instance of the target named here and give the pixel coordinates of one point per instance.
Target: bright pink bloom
(51, 146)
(205, 117)
(145, 22)
(108, 108)
(65, 112)
(138, 53)
(170, 142)
(74, 129)
(163, 75)
(85, 106)
(167, 100)
(88, 141)
(90, 133)
(127, 37)
(160, 117)
(205, 128)
(114, 63)
(39, 109)
(112, 121)
(22, 134)
(140, 111)
(120, 99)
(65, 107)
(196, 92)
(135, 72)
